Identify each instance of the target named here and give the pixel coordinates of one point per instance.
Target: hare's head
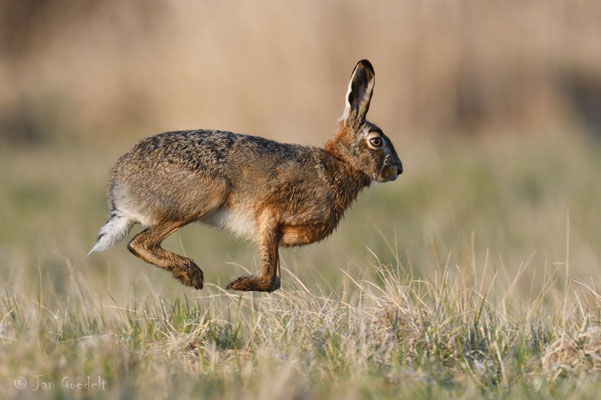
(358, 141)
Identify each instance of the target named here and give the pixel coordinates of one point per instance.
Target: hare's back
(213, 152)
(176, 172)
(180, 150)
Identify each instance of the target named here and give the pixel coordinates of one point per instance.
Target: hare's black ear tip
(365, 64)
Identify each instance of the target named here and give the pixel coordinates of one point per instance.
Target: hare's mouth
(389, 174)
(386, 178)
(392, 178)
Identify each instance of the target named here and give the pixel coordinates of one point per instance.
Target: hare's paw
(254, 283)
(189, 274)
(243, 283)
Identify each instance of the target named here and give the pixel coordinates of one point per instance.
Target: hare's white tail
(115, 229)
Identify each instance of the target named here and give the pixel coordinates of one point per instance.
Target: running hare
(275, 194)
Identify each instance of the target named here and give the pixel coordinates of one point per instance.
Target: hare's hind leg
(269, 280)
(147, 246)
(182, 203)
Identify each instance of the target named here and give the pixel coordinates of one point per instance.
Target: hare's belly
(237, 222)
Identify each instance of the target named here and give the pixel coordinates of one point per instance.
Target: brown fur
(275, 194)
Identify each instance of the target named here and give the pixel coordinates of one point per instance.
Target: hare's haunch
(272, 193)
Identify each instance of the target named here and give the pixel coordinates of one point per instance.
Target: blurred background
(494, 107)
(95, 71)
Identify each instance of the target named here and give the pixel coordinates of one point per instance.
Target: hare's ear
(358, 95)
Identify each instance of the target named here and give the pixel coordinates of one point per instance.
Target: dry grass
(571, 353)
(404, 337)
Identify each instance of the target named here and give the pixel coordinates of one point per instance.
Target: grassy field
(473, 275)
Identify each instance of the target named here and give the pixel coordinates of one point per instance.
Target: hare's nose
(399, 168)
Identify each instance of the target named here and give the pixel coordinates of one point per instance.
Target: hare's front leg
(147, 246)
(269, 280)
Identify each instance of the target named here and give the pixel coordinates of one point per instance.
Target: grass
(472, 276)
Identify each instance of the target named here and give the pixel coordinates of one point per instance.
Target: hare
(278, 195)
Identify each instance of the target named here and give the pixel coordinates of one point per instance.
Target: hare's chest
(237, 222)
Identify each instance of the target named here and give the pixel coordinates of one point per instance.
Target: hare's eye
(375, 141)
